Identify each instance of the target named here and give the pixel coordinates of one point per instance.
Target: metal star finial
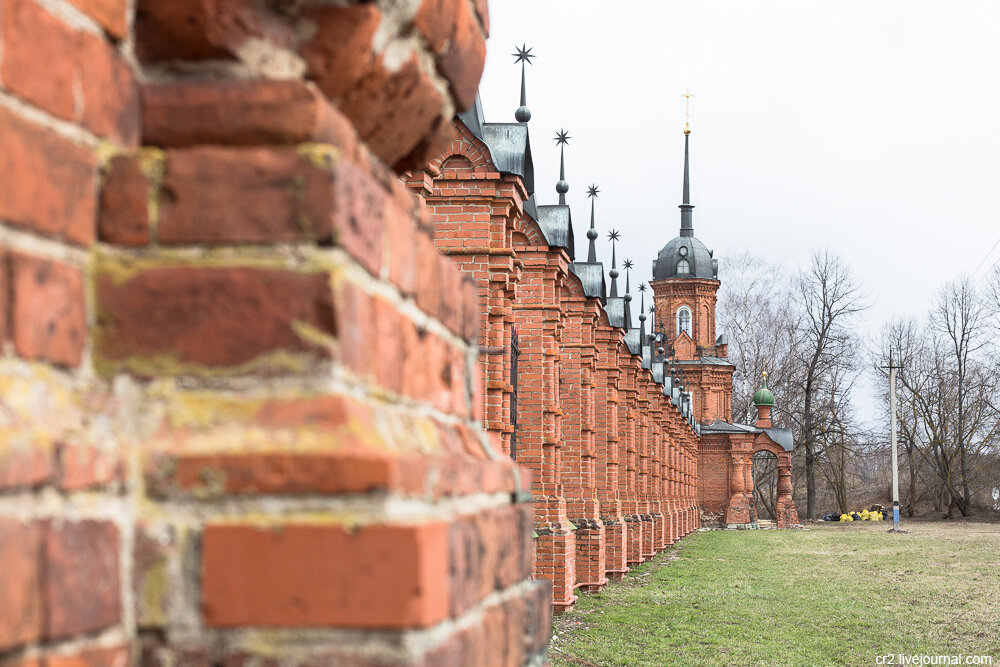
(562, 137)
(613, 235)
(642, 286)
(652, 309)
(592, 191)
(523, 54)
(627, 265)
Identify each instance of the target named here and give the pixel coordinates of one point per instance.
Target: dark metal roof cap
(510, 149)
(508, 144)
(615, 307)
(647, 360)
(556, 222)
(782, 436)
(689, 249)
(531, 208)
(473, 117)
(591, 275)
(633, 342)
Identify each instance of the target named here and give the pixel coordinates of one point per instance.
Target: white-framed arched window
(684, 320)
(683, 267)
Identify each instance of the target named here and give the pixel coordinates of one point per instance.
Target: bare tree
(840, 439)
(947, 389)
(828, 297)
(958, 317)
(757, 313)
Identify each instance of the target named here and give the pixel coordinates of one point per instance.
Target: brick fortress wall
(238, 421)
(611, 457)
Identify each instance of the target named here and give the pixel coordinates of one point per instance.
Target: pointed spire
(652, 316)
(562, 187)
(592, 192)
(642, 313)
(627, 265)
(613, 235)
(523, 55)
(687, 226)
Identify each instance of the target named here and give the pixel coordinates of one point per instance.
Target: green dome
(763, 395)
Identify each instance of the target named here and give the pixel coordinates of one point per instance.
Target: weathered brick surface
(21, 604)
(47, 310)
(81, 580)
(316, 575)
(110, 14)
(237, 195)
(184, 318)
(126, 201)
(240, 113)
(55, 177)
(86, 80)
(239, 384)
(118, 656)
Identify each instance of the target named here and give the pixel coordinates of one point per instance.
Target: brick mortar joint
(63, 128)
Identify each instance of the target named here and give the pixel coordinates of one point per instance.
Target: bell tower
(685, 283)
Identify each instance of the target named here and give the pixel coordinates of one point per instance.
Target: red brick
(110, 14)
(50, 181)
(200, 29)
(435, 20)
(210, 316)
(399, 236)
(21, 614)
(389, 357)
(125, 202)
(471, 309)
(361, 206)
(357, 339)
(483, 12)
(84, 80)
(394, 111)
(241, 113)
(48, 314)
(4, 299)
(25, 466)
(84, 466)
(291, 473)
(118, 656)
(429, 266)
(378, 577)
(46, 82)
(82, 588)
(244, 195)
(454, 35)
(341, 53)
(465, 58)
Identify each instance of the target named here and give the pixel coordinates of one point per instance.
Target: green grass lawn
(831, 594)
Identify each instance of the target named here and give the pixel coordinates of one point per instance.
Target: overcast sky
(872, 128)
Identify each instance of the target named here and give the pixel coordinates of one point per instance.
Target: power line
(985, 257)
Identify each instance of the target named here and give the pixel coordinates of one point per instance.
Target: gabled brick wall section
(241, 421)
(540, 318)
(474, 211)
(611, 465)
(581, 429)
